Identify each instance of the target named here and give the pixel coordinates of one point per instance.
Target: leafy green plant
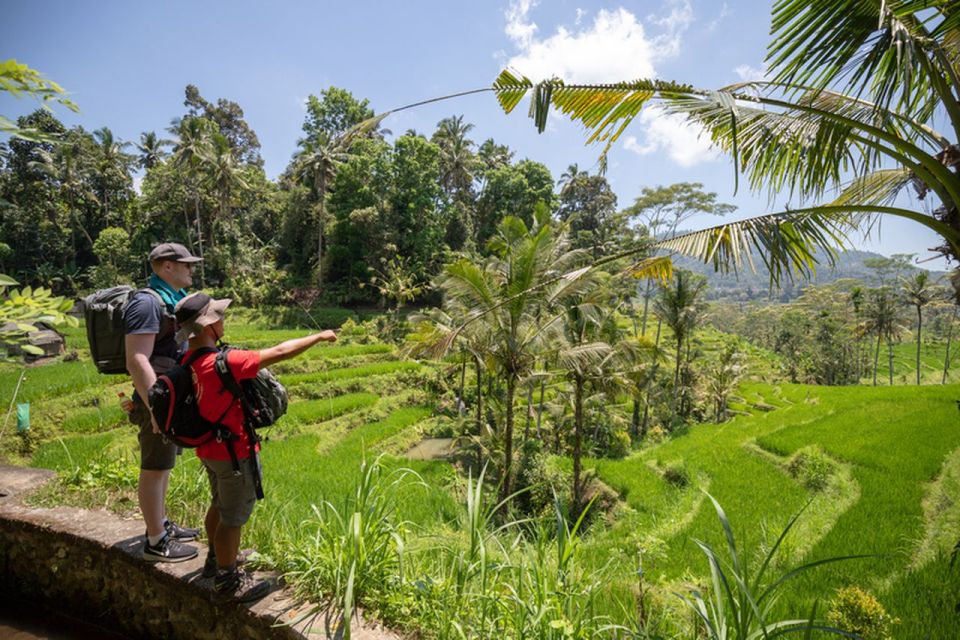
(356, 548)
(812, 467)
(856, 611)
(739, 603)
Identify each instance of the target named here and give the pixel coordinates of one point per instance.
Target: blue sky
(126, 65)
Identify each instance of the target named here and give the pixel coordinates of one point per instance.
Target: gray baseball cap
(172, 251)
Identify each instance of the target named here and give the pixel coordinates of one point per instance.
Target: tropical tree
(508, 290)
(882, 321)
(681, 307)
(225, 175)
(193, 153)
(151, 148)
(918, 292)
(852, 87)
(458, 163)
(112, 168)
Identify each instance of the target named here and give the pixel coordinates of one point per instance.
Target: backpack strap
(229, 382)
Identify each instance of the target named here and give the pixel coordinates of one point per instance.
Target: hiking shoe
(168, 550)
(210, 564)
(239, 586)
(177, 532)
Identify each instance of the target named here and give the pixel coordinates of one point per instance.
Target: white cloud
(519, 28)
(749, 74)
(725, 11)
(613, 48)
(683, 142)
(674, 22)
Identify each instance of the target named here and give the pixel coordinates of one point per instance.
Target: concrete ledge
(88, 564)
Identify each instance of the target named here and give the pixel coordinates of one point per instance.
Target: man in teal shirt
(151, 349)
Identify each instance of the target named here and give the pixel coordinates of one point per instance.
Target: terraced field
(893, 492)
(894, 451)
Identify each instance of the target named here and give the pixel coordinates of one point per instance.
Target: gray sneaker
(210, 564)
(168, 550)
(239, 586)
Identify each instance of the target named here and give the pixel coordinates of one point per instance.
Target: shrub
(352, 332)
(657, 434)
(619, 444)
(812, 468)
(677, 475)
(856, 611)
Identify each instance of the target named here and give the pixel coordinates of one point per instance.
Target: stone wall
(88, 564)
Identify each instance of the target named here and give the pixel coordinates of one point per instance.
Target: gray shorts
(156, 452)
(232, 494)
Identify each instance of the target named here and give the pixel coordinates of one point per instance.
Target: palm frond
(788, 243)
(659, 268)
(878, 187)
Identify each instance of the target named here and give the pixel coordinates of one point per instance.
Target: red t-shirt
(213, 399)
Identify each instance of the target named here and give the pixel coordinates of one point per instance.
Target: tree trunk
(577, 448)
(646, 405)
(919, 334)
(321, 216)
(676, 383)
(463, 378)
(946, 359)
(526, 426)
(505, 484)
(876, 359)
(635, 418)
(543, 387)
(646, 306)
(479, 397)
(890, 359)
(196, 206)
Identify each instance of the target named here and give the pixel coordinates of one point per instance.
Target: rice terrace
(694, 379)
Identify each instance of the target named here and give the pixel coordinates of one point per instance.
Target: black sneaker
(210, 564)
(239, 586)
(167, 550)
(177, 532)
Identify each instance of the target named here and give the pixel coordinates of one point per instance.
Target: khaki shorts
(156, 452)
(232, 494)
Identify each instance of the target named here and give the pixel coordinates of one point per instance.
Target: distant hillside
(748, 285)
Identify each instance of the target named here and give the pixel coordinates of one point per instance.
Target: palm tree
(846, 90)
(192, 153)
(681, 308)
(881, 320)
(316, 164)
(918, 292)
(224, 175)
(508, 291)
(151, 148)
(112, 164)
(567, 177)
(457, 160)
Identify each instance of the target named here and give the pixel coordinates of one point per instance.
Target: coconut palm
(681, 307)
(225, 175)
(151, 148)
(919, 292)
(112, 165)
(850, 85)
(508, 291)
(192, 153)
(882, 321)
(457, 160)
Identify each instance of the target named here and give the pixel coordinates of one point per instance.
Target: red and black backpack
(173, 402)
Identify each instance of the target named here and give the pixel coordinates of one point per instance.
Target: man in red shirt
(201, 320)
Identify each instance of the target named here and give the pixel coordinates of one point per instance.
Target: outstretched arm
(295, 347)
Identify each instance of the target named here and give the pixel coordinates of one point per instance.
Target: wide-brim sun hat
(196, 311)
